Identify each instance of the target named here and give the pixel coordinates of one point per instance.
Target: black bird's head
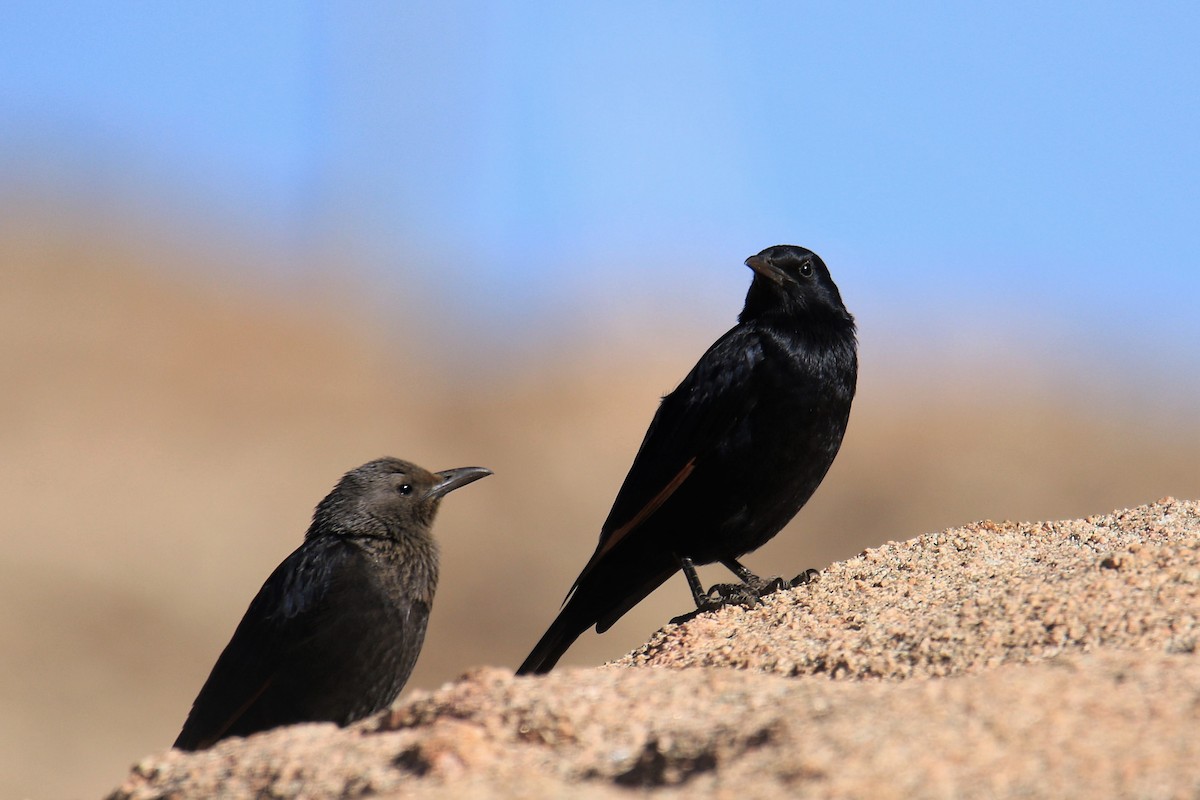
(793, 282)
(387, 498)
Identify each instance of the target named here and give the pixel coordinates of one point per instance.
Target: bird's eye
(404, 488)
(806, 269)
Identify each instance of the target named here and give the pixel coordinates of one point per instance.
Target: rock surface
(996, 660)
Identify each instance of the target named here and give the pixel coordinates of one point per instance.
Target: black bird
(731, 455)
(333, 634)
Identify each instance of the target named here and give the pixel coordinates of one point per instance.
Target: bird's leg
(760, 586)
(765, 586)
(748, 593)
(693, 579)
(718, 595)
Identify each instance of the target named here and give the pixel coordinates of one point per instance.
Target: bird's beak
(768, 271)
(452, 479)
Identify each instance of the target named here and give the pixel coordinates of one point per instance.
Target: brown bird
(333, 634)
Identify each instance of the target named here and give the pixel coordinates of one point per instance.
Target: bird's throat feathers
(811, 322)
(771, 304)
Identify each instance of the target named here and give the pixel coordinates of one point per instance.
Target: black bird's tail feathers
(601, 596)
(563, 632)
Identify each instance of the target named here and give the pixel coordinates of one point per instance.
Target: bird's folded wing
(689, 424)
(278, 621)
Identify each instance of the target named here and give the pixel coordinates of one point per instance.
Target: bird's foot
(747, 594)
(765, 586)
(804, 578)
(729, 594)
(751, 593)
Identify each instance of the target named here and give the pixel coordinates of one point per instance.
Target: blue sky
(999, 166)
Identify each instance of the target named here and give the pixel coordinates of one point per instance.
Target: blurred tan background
(165, 439)
(245, 247)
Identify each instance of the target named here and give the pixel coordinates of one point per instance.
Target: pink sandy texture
(1051, 659)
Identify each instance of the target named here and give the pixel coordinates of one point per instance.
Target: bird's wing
(688, 425)
(281, 618)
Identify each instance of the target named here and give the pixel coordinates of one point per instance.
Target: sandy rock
(996, 660)
(967, 599)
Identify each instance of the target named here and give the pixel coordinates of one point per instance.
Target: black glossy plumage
(732, 454)
(333, 634)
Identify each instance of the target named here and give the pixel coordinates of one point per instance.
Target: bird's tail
(599, 597)
(562, 634)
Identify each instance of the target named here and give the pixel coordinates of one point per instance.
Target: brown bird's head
(387, 498)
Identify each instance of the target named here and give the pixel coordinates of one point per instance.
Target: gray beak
(760, 265)
(452, 479)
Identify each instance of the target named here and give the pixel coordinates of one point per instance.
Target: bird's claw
(767, 586)
(804, 578)
(748, 595)
(729, 594)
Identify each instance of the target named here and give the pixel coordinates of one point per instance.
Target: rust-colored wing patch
(646, 510)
